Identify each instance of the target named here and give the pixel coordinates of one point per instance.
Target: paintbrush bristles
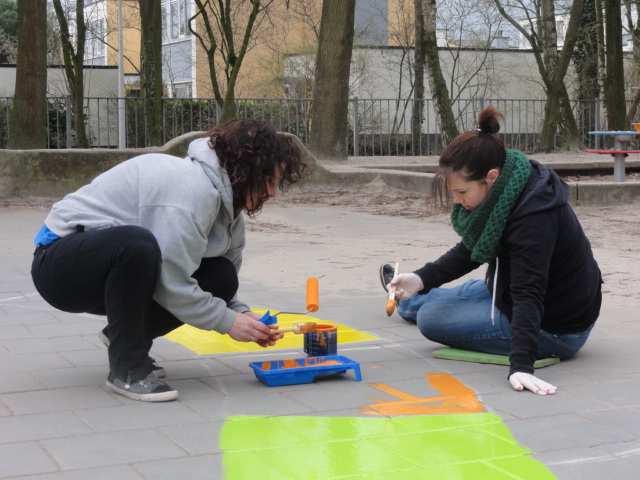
(306, 327)
(300, 328)
(391, 306)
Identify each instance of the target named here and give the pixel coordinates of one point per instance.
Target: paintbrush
(299, 328)
(391, 302)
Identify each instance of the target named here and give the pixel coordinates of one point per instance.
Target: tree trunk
(635, 78)
(151, 68)
(558, 112)
(585, 60)
(558, 117)
(77, 86)
(614, 93)
(79, 120)
(74, 66)
(229, 111)
(29, 113)
(602, 63)
(329, 123)
(551, 120)
(569, 135)
(439, 92)
(417, 114)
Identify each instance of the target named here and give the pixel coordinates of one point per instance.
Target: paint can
(322, 340)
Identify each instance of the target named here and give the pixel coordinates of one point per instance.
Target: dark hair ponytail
(488, 123)
(474, 152)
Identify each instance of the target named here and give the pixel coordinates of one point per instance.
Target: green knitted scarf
(482, 227)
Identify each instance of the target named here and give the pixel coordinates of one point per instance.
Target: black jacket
(547, 275)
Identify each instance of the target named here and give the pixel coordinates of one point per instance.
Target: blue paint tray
(275, 373)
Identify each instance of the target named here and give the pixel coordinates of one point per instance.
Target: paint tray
(275, 373)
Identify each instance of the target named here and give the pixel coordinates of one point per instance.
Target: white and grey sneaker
(159, 371)
(149, 389)
(386, 275)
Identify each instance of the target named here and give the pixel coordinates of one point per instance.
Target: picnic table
(619, 152)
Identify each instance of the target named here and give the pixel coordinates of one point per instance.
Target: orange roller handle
(313, 289)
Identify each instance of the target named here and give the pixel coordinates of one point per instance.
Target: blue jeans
(460, 317)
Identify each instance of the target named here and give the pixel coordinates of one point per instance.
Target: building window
(182, 90)
(165, 35)
(184, 18)
(94, 44)
(174, 17)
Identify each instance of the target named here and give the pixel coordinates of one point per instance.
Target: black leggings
(114, 272)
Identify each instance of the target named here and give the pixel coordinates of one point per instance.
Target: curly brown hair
(251, 151)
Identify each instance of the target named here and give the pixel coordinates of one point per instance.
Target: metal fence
(376, 126)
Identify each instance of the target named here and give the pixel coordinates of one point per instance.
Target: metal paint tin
(323, 340)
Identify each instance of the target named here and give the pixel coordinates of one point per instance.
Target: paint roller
(313, 295)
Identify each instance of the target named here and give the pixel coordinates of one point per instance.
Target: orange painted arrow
(455, 397)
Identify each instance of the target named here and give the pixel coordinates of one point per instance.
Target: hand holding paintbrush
(391, 302)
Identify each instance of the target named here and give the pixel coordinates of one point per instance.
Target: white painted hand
(525, 381)
(406, 285)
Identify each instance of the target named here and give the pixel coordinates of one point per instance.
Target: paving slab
(203, 467)
(59, 399)
(22, 428)
(112, 448)
(24, 459)
(107, 473)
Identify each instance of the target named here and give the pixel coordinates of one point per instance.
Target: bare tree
(417, 114)
(474, 26)
(54, 43)
(614, 86)
(552, 64)
(74, 65)
(437, 83)
(29, 112)
(151, 67)
(331, 87)
(225, 40)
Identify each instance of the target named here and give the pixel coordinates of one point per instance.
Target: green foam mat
(448, 353)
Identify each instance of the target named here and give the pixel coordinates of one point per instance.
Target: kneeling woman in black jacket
(542, 292)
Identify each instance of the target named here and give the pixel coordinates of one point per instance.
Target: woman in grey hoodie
(157, 241)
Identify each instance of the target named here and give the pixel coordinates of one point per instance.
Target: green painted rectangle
(477, 446)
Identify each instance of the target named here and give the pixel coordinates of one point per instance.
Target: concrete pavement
(57, 421)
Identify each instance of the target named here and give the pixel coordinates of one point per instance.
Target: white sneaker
(149, 389)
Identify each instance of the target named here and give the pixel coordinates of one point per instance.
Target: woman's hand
(253, 315)
(405, 285)
(525, 381)
(246, 328)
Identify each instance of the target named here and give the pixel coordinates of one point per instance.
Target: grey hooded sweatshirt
(187, 204)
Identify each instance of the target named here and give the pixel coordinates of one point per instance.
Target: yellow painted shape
(454, 397)
(204, 342)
